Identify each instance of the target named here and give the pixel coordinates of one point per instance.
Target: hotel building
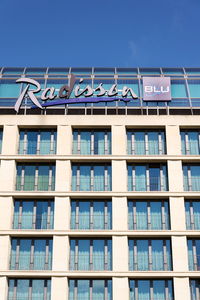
(100, 200)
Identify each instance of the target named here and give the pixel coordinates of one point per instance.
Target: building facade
(100, 200)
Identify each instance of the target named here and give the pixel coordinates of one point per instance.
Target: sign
(49, 97)
(156, 89)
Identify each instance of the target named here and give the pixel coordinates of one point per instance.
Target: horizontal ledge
(93, 158)
(104, 274)
(91, 233)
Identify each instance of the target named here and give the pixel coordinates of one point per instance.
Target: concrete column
(6, 213)
(119, 176)
(178, 221)
(62, 213)
(64, 140)
(173, 140)
(5, 252)
(7, 175)
(63, 176)
(120, 288)
(3, 288)
(175, 176)
(10, 140)
(120, 253)
(181, 288)
(179, 254)
(118, 140)
(119, 213)
(59, 288)
(60, 253)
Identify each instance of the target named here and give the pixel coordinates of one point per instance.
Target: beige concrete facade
(119, 195)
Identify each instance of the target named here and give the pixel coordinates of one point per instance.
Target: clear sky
(123, 33)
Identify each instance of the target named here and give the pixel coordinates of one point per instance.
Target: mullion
(20, 215)
(50, 177)
(38, 142)
(165, 262)
(52, 140)
(192, 216)
(48, 215)
(166, 290)
(163, 215)
(105, 215)
(91, 221)
(47, 255)
(30, 289)
(34, 218)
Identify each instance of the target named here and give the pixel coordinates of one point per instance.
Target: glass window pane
(83, 290)
(143, 290)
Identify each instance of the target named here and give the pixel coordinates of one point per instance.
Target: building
(100, 199)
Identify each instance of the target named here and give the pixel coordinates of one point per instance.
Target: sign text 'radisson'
(63, 96)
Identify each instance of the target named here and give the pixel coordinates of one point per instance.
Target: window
(90, 289)
(146, 142)
(35, 177)
(147, 177)
(1, 137)
(29, 289)
(152, 255)
(190, 142)
(148, 215)
(192, 211)
(90, 254)
(151, 290)
(37, 142)
(194, 254)
(91, 177)
(195, 289)
(33, 214)
(90, 142)
(191, 175)
(31, 254)
(91, 214)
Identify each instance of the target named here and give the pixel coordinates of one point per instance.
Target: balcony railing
(138, 222)
(85, 148)
(28, 262)
(152, 184)
(143, 148)
(31, 185)
(45, 148)
(90, 221)
(85, 262)
(32, 221)
(150, 263)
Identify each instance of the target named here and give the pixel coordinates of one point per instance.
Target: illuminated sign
(49, 96)
(156, 89)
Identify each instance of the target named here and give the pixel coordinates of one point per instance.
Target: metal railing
(86, 262)
(31, 185)
(32, 221)
(28, 262)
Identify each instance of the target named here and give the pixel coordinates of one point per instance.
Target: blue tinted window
(146, 289)
(85, 289)
(140, 258)
(23, 259)
(9, 89)
(81, 257)
(139, 181)
(37, 289)
(178, 89)
(26, 177)
(91, 178)
(33, 214)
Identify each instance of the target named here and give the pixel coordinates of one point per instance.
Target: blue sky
(123, 33)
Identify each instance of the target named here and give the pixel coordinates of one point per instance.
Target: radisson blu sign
(154, 89)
